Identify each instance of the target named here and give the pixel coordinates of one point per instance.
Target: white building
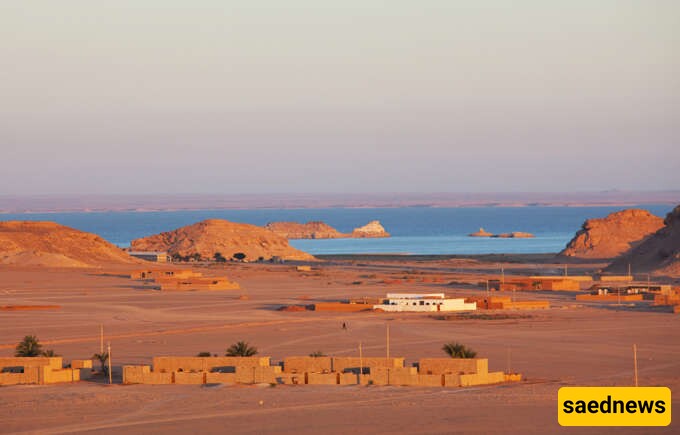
(414, 302)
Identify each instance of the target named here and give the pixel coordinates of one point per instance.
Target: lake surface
(415, 230)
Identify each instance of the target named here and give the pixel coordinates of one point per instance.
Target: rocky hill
(309, 230)
(27, 243)
(216, 235)
(612, 235)
(371, 229)
(659, 253)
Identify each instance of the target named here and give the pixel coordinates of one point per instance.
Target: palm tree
(29, 347)
(241, 348)
(457, 350)
(103, 358)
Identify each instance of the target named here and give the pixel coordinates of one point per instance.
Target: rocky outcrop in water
(321, 230)
(309, 230)
(370, 230)
(481, 233)
(512, 235)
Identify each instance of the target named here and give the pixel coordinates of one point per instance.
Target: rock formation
(310, 230)
(481, 233)
(27, 243)
(658, 253)
(370, 230)
(612, 235)
(512, 235)
(228, 238)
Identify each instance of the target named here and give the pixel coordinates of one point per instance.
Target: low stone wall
(207, 364)
(304, 364)
(434, 372)
(440, 366)
(53, 362)
(609, 298)
(292, 378)
(322, 379)
(81, 364)
(144, 375)
(431, 380)
(31, 375)
(49, 375)
(469, 380)
(36, 370)
(257, 375)
(189, 378)
(220, 378)
(341, 364)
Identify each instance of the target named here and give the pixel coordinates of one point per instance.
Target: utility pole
(109, 358)
(566, 270)
(101, 339)
(508, 361)
(361, 364)
(487, 288)
(635, 363)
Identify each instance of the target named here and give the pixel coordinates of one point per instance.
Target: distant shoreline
(16, 204)
(549, 258)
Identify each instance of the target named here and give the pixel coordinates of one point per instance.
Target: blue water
(415, 230)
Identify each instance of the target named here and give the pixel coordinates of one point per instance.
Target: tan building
(154, 256)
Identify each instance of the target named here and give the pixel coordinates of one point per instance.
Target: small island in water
(512, 235)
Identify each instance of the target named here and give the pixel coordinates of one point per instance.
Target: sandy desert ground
(571, 344)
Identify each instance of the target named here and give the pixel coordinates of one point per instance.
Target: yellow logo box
(614, 406)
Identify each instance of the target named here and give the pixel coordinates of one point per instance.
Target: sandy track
(169, 332)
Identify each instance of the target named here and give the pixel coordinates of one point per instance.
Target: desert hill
(217, 235)
(658, 253)
(371, 229)
(309, 230)
(612, 235)
(27, 243)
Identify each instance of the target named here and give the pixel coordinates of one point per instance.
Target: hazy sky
(338, 96)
